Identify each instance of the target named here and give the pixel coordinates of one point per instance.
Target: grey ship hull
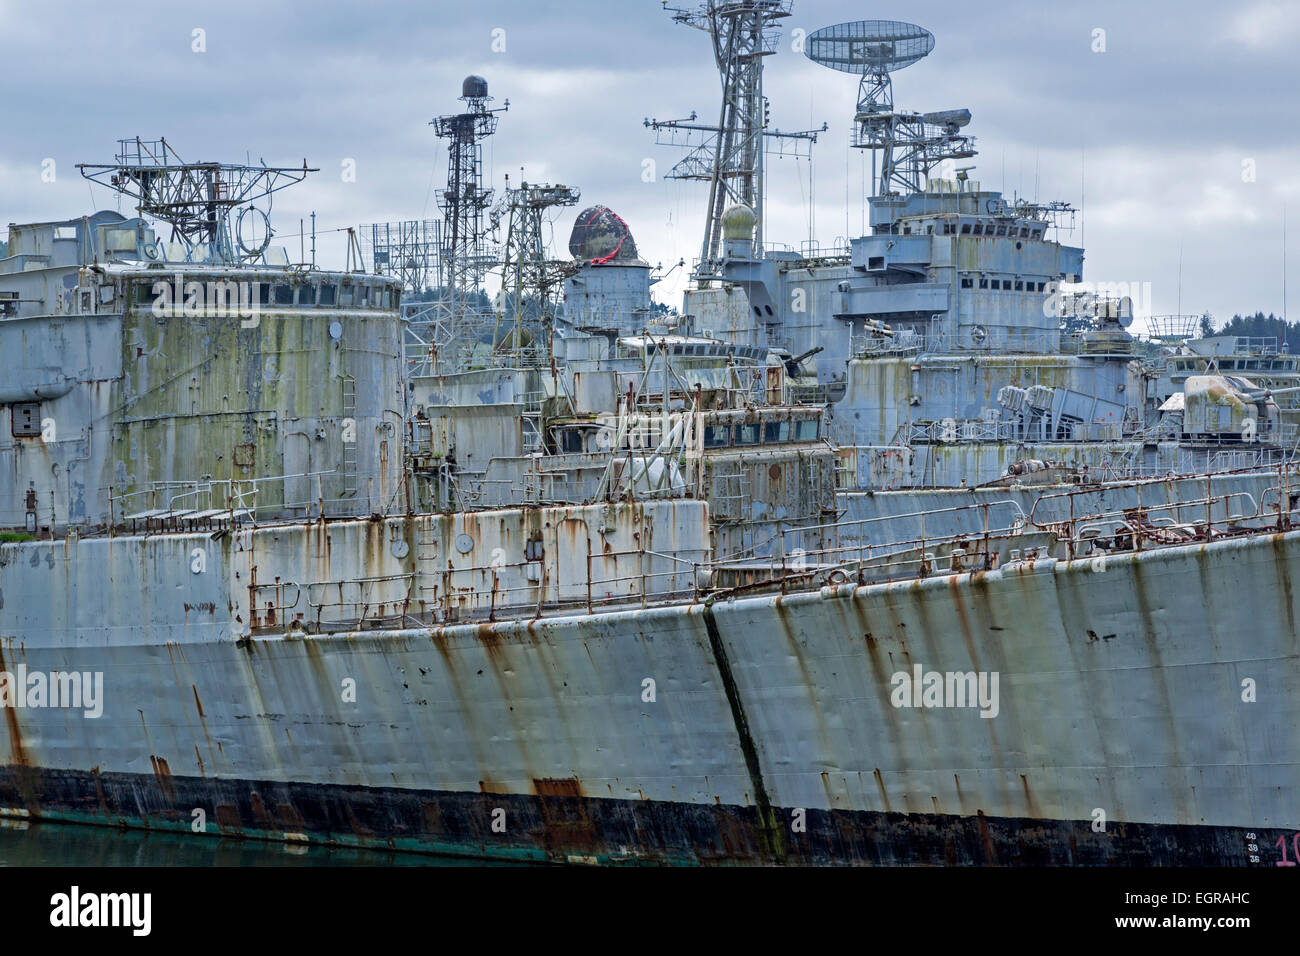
(1121, 690)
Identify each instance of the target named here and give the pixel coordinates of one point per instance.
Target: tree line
(1258, 325)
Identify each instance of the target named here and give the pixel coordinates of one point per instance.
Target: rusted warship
(289, 556)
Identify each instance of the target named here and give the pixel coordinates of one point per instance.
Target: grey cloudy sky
(1149, 136)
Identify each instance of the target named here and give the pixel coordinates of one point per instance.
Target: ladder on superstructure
(350, 447)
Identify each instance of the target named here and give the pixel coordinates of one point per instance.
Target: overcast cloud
(1148, 137)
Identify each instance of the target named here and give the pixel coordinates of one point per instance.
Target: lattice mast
(464, 201)
(527, 274)
(743, 34)
(409, 249)
(198, 200)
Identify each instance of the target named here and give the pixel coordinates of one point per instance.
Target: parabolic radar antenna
(910, 143)
(869, 46)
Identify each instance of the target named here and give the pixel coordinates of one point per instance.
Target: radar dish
(869, 46)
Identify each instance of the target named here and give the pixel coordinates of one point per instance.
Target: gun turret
(792, 364)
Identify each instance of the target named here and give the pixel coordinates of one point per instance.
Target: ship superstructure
(147, 374)
(585, 582)
(951, 346)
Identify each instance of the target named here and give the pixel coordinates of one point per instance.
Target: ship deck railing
(859, 528)
(954, 431)
(576, 478)
(866, 562)
(478, 592)
(1234, 460)
(858, 554)
(1001, 340)
(990, 542)
(1000, 533)
(1139, 526)
(872, 346)
(1236, 506)
(214, 503)
(1251, 434)
(1256, 345)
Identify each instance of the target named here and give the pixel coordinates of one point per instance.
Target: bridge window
(747, 434)
(966, 282)
(328, 293)
(307, 294)
(776, 432)
(984, 282)
(1020, 286)
(979, 229)
(965, 228)
(715, 436)
(284, 295)
(806, 430)
(570, 440)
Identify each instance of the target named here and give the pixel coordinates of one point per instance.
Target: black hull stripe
(570, 827)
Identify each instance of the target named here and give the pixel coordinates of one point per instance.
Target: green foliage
(481, 301)
(1260, 325)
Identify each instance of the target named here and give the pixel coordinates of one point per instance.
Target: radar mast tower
(730, 155)
(198, 200)
(465, 199)
(910, 144)
(526, 273)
